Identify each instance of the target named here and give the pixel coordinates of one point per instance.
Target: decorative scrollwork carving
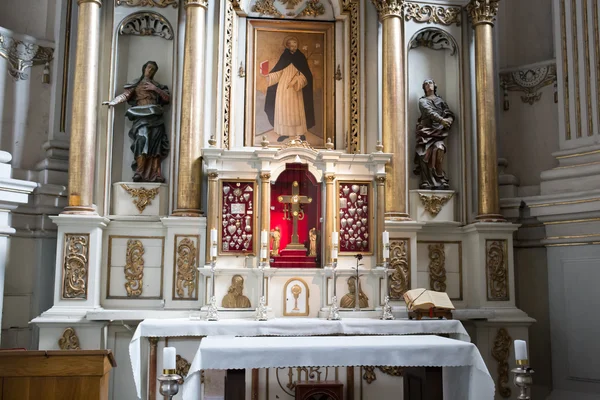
(497, 270)
(69, 340)
(75, 267)
(144, 196)
(182, 366)
(433, 203)
(435, 39)
(432, 14)
(392, 371)
(353, 140)
(186, 269)
(266, 7)
(400, 278)
(530, 81)
(313, 9)
(134, 268)
(482, 11)
(22, 55)
(147, 3)
(227, 74)
(146, 24)
(500, 352)
(369, 374)
(437, 267)
(296, 143)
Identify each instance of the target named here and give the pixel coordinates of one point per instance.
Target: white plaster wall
(31, 17)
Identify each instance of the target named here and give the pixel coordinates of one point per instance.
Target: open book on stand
(428, 303)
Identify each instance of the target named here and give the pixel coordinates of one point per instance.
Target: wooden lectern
(55, 375)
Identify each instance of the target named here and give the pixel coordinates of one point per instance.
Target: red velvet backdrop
(312, 212)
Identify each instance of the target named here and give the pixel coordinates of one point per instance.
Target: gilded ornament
(380, 180)
(500, 352)
(497, 270)
(432, 14)
(182, 366)
(400, 278)
(186, 269)
(296, 143)
(228, 74)
(437, 267)
(22, 55)
(141, 197)
(482, 11)
(369, 374)
(69, 340)
(313, 9)
(530, 81)
(265, 176)
(147, 3)
(213, 175)
(389, 8)
(290, 4)
(433, 203)
(353, 139)
(338, 73)
(75, 267)
(235, 294)
(435, 39)
(134, 268)
(146, 24)
(266, 7)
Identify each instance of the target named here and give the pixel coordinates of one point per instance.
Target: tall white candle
(264, 237)
(386, 237)
(263, 253)
(213, 236)
(386, 251)
(520, 350)
(335, 238)
(213, 251)
(169, 358)
(334, 253)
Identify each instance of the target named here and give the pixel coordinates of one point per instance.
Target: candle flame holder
(169, 383)
(523, 379)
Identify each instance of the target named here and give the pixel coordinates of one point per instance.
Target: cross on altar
(295, 201)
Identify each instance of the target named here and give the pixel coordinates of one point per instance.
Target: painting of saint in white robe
(289, 101)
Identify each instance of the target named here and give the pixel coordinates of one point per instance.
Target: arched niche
(433, 53)
(140, 37)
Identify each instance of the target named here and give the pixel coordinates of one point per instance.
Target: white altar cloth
(283, 327)
(468, 379)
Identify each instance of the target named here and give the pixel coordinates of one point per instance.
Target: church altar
(465, 376)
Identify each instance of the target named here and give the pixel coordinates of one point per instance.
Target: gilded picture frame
(354, 216)
(237, 210)
(289, 82)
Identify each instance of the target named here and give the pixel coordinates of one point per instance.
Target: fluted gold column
(84, 111)
(393, 106)
(482, 14)
(330, 211)
(265, 202)
(192, 111)
(212, 218)
(380, 222)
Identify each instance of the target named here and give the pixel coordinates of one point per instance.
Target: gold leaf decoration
(75, 267)
(433, 203)
(144, 196)
(69, 340)
(134, 268)
(388, 7)
(369, 374)
(313, 9)
(392, 371)
(182, 366)
(353, 140)
(266, 7)
(437, 267)
(482, 11)
(186, 269)
(147, 3)
(500, 352)
(432, 14)
(497, 270)
(227, 73)
(400, 278)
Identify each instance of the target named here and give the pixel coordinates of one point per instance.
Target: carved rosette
(75, 266)
(186, 269)
(134, 268)
(399, 262)
(146, 24)
(266, 7)
(500, 352)
(22, 55)
(142, 197)
(433, 203)
(182, 366)
(432, 14)
(69, 340)
(482, 11)
(437, 267)
(497, 270)
(147, 3)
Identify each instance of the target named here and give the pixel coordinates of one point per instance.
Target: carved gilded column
(192, 111)
(394, 106)
(265, 202)
(212, 218)
(330, 214)
(84, 110)
(482, 14)
(380, 222)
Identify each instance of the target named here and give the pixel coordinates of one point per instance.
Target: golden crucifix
(295, 201)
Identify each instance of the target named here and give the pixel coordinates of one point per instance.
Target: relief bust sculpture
(150, 143)
(432, 128)
(349, 299)
(235, 295)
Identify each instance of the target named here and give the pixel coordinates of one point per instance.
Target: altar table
(283, 327)
(465, 375)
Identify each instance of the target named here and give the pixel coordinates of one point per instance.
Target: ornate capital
(195, 3)
(329, 178)
(212, 176)
(482, 11)
(389, 8)
(380, 180)
(265, 176)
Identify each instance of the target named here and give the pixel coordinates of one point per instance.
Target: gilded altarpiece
(237, 229)
(355, 217)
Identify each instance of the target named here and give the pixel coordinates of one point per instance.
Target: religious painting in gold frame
(289, 84)
(237, 217)
(354, 207)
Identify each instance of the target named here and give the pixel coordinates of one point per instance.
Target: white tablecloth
(468, 379)
(283, 327)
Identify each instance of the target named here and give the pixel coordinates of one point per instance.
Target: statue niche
(150, 143)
